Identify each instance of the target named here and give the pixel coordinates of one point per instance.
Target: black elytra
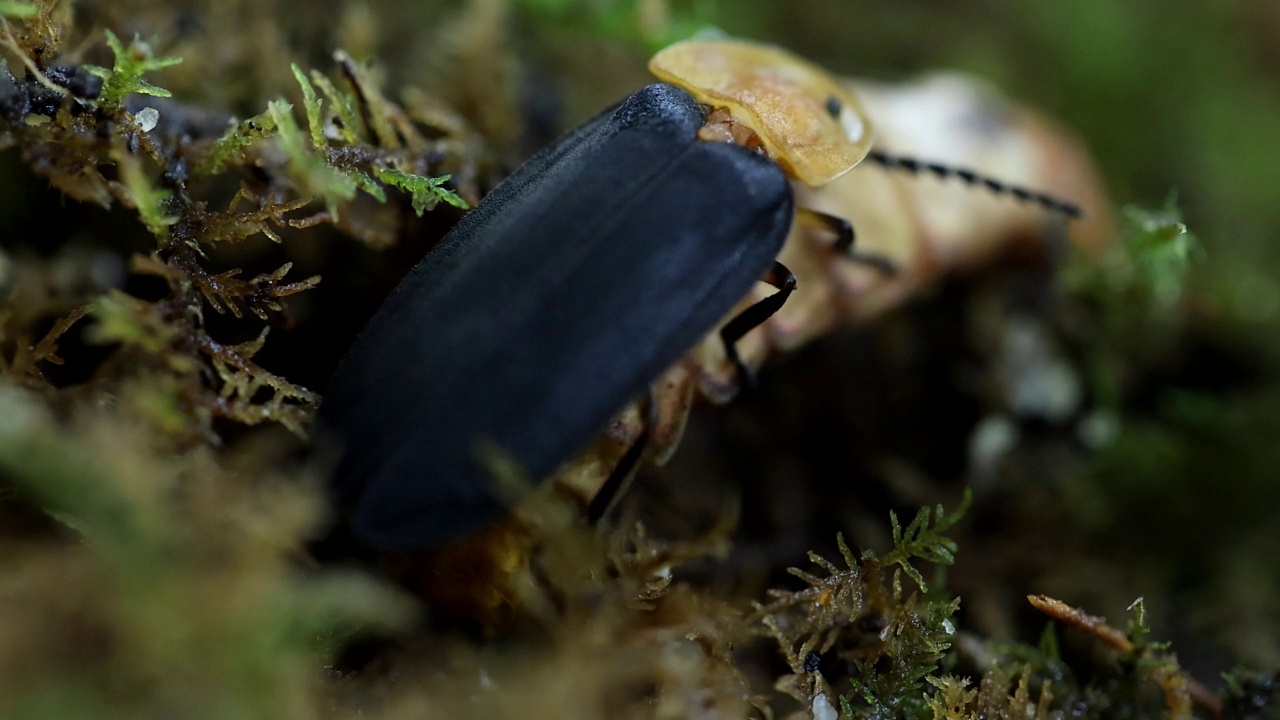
(575, 283)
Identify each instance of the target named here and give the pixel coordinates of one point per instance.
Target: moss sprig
(151, 202)
(24, 363)
(229, 149)
(892, 640)
(312, 104)
(921, 540)
(169, 336)
(390, 129)
(426, 192)
(347, 123)
(313, 174)
(125, 75)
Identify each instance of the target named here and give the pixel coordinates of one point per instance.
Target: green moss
(312, 104)
(350, 124)
(152, 203)
(921, 541)
(313, 175)
(229, 149)
(125, 76)
(425, 191)
(18, 9)
(890, 640)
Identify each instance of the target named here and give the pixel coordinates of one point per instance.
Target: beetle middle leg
(615, 486)
(843, 230)
(754, 316)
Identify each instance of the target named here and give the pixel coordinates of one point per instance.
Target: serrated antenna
(971, 178)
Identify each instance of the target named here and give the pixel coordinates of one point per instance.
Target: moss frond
(24, 365)
(915, 639)
(152, 203)
(953, 698)
(892, 641)
(312, 105)
(313, 174)
(347, 123)
(426, 192)
(233, 225)
(922, 541)
(80, 135)
(125, 76)
(170, 335)
(385, 121)
(229, 149)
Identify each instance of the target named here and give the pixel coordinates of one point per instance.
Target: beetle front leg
(843, 230)
(754, 316)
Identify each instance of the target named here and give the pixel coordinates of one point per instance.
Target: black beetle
(580, 279)
(577, 281)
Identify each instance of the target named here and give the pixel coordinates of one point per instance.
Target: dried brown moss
(91, 131)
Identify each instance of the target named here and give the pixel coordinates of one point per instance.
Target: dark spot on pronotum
(834, 107)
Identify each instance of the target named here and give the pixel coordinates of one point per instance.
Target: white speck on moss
(147, 118)
(822, 708)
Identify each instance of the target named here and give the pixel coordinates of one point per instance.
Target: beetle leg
(843, 230)
(754, 316)
(624, 472)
